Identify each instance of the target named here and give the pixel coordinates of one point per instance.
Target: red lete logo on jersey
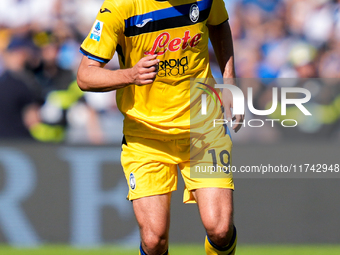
(163, 43)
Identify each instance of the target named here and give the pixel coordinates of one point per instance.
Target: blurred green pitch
(178, 250)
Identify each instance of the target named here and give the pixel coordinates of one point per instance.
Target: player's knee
(155, 243)
(220, 234)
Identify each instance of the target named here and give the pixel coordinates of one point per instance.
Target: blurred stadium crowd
(284, 39)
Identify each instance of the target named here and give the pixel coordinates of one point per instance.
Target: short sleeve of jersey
(218, 13)
(101, 42)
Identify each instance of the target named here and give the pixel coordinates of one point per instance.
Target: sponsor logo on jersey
(194, 13)
(173, 67)
(163, 43)
(132, 181)
(97, 29)
(144, 22)
(105, 10)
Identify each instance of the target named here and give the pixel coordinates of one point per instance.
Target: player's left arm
(221, 39)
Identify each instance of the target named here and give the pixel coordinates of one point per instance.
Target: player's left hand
(228, 104)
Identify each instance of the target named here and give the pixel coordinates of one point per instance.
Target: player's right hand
(145, 71)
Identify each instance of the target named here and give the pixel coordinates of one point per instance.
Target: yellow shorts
(150, 165)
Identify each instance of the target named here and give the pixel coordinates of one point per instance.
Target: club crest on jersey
(97, 29)
(194, 13)
(132, 181)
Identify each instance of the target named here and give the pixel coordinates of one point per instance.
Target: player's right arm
(92, 76)
(99, 47)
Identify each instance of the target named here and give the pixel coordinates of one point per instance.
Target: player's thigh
(209, 165)
(153, 215)
(216, 208)
(148, 167)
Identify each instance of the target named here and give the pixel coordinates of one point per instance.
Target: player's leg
(151, 174)
(153, 217)
(209, 182)
(216, 210)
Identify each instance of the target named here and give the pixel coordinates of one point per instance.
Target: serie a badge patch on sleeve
(97, 30)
